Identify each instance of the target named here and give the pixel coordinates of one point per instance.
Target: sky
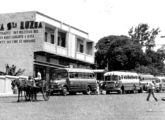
(99, 18)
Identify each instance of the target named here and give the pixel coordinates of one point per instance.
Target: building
(36, 42)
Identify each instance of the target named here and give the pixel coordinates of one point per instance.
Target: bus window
(72, 75)
(107, 78)
(114, 77)
(76, 75)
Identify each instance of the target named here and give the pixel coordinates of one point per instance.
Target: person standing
(151, 88)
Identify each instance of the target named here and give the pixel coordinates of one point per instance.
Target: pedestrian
(151, 89)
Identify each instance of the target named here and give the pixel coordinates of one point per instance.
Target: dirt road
(84, 107)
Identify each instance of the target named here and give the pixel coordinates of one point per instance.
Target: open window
(80, 45)
(49, 35)
(62, 38)
(89, 48)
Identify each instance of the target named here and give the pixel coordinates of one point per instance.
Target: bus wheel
(65, 91)
(72, 93)
(123, 90)
(107, 92)
(120, 91)
(140, 90)
(134, 89)
(88, 91)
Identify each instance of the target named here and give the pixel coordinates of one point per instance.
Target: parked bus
(160, 82)
(73, 80)
(121, 82)
(145, 79)
(99, 73)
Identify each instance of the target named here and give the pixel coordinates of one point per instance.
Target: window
(61, 39)
(80, 45)
(52, 39)
(89, 48)
(81, 48)
(46, 36)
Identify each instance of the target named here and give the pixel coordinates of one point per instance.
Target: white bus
(72, 80)
(145, 79)
(160, 82)
(121, 82)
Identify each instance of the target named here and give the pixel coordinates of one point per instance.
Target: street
(85, 107)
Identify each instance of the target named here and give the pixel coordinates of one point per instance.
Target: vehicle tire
(65, 91)
(140, 90)
(45, 91)
(88, 91)
(123, 90)
(120, 92)
(134, 89)
(72, 93)
(107, 92)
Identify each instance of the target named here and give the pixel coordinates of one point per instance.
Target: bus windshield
(112, 78)
(60, 74)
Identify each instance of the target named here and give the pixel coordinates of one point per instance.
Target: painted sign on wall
(22, 32)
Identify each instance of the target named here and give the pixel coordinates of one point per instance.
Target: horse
(26, 87)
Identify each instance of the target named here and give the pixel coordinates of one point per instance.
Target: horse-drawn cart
(44, 88)
(30, 88)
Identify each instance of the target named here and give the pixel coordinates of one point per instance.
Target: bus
(160, 82)
(121, 82)
(145, 79)
(73, 80)
(99, 73)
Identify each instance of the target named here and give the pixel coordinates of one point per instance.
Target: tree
(143, 36)
(118, 53)
(11, 70)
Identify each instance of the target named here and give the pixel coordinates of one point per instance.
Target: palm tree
(11, 70)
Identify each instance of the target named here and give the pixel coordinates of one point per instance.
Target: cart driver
(38, 78)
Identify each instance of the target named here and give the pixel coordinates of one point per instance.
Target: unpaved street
(84, 107)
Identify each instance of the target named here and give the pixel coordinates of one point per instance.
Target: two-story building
(36, 42)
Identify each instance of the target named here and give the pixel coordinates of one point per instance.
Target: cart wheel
(45, 91)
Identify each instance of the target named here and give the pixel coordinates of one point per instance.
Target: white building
(36, 42)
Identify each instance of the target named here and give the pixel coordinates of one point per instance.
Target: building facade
(36, 42)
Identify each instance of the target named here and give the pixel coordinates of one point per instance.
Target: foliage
(126, 53)
(117, 53)
(11, 70)
(143, 36)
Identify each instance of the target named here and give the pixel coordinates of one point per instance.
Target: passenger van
(73, 80)
(121, 82)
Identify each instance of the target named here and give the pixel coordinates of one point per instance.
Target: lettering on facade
(22, 25)
(24, 32)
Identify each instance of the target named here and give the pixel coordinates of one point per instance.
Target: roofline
(60, 22)
(85, 70)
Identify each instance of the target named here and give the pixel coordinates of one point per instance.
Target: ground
(85, 107)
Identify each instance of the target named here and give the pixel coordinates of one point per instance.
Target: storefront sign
(24, 32)
(21, 25)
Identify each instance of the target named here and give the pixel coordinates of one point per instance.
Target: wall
(20, 36)
(5, 84)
